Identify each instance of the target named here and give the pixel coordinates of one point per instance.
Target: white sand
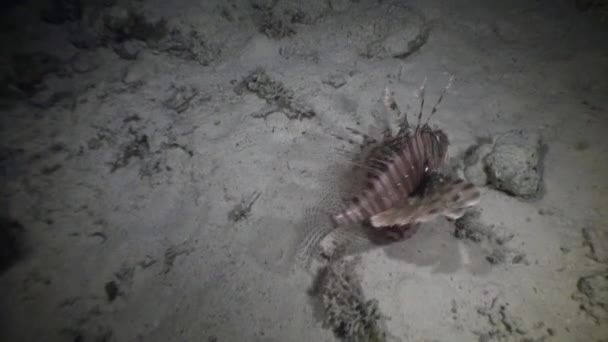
(517, 64)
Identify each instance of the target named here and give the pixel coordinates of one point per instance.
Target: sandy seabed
(161, 158)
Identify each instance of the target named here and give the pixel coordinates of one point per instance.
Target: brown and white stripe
(397, 168)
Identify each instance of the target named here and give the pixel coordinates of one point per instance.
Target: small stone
(116, 18)
(496, 257)
(83, 38)
(262, 4)
(474, 164)
(518, 258)
(147, 262)
(597, 241)
(84, 62)
(48, 97)
(29, 71)
(111, 290)
(339, 5)
(136, 73)
(404, 42)
(180, 97)
(470, 227)
(593, 296)
(335, 80)
(129, 49)
(50, 169)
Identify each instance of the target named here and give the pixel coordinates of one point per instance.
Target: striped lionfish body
(397, 169)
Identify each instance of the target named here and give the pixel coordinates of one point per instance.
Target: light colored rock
(136, 73)
(513, 166)
(474, 170)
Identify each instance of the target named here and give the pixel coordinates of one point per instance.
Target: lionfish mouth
(400, 168)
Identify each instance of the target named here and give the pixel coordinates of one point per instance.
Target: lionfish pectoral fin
(385, 219)
(456, 197)
(400, 215)
(449, 200)
(454, 214)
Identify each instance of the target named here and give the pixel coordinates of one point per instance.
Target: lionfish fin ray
(421, 94)
(449, 200)
(441, 95)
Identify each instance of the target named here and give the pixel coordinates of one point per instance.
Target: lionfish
(403, 185)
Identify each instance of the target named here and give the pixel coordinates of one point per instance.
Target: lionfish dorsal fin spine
(421, 94)
(392, 108)
(441, 95)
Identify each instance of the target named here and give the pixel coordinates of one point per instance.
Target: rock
(122, 25)
(514, 165)
(597, 241)
(29, 70)
(498, 256)
(519, 258)
(263, 4)
(136, 73)
(180, 97)
(403, 43)
(593, 296)
(112, 291)
(128, 50)
(335, 80)
(306, 13)
(116, 18)
(84, 62)
(470, 227)
(476, 176)
(275, 26)
(83, 38)
(474, 170)
(352, 316)
(339, 5)
(594, 287)
(188, 46)
(61, 11)
(52, 92)
(49, 97)
(394, 31)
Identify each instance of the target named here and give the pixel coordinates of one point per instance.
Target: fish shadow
(435, 245)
